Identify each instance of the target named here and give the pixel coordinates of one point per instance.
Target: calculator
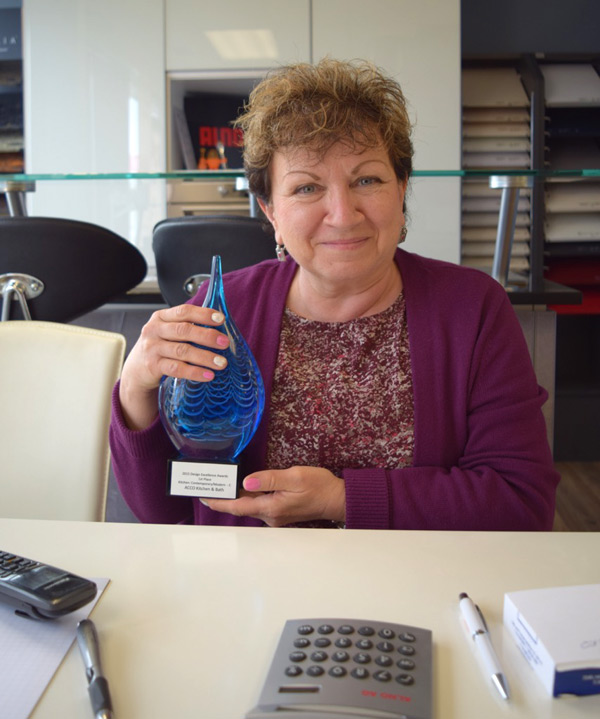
(40, 591)
(326, 668)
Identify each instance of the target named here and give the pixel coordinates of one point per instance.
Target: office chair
(184, 247)
(55, 385)
(60, 269)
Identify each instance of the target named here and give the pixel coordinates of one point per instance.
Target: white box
(558, 631)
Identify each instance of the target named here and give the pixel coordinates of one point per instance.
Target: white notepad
(31, 652)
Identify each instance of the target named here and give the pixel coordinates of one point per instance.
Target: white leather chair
(55, 395)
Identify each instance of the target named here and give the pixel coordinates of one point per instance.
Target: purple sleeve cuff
(368, 503)
(150, 442)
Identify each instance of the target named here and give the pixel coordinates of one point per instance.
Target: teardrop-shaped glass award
(210, 423)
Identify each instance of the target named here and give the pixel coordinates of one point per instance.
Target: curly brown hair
(315, 106)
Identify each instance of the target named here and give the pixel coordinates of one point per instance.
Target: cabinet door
(418, 42)
(94, 103)
(234, 35)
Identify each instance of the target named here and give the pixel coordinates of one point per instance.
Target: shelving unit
(572, 248)
(11, 94)
(11, 117)
(496, 135)
(187, 92)
(201, 106)
(572, 209)
(558, 222)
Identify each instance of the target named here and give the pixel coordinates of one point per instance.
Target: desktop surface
(192, 615)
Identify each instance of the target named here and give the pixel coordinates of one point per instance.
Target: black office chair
(184, 247)
(60, 269)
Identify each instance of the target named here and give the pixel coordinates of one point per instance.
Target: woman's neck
(333, 302)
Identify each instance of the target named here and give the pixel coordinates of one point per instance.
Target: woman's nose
(342, 207)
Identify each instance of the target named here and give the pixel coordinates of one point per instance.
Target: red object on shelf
(582, 274)
(580, 271)
(590, 304)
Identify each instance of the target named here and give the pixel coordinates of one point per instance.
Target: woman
(400, 393)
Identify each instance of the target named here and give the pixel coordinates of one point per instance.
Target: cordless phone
(327, 668)
(40, 591)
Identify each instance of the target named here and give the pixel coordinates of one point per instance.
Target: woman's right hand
(164, 348)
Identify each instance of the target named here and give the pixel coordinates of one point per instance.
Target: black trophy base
(203, 480)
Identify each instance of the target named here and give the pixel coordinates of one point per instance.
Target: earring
(280, 252)
(403, 233)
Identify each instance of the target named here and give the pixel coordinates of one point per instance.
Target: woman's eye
(305, 190)
(366, 181)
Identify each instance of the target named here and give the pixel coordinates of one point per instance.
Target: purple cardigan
(481, 457)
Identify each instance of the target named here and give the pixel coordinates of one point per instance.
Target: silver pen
(480, 634)
(87, 638)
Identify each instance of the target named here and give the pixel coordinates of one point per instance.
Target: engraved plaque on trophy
(210, 423)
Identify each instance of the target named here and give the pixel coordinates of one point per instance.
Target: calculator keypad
(345, 667)
(390, 652)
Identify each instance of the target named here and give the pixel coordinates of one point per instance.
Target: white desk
(193, 614)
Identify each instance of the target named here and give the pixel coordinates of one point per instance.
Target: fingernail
(252, 484)
(217, 317)
(222, 341)
(220, 361)
(207, 375)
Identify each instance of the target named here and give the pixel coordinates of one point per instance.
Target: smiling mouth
(345, 244)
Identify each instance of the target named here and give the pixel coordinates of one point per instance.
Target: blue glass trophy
(210, 423)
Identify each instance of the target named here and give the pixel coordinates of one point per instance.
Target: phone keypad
(12, 564)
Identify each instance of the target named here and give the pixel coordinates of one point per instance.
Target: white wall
(94, 94)
(418, 42)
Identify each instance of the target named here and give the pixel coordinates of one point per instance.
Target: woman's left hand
(286, 496)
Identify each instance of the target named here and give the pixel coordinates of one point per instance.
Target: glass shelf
(223, 174)
(529, 287)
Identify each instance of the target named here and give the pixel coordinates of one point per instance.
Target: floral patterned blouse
(342, 393)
